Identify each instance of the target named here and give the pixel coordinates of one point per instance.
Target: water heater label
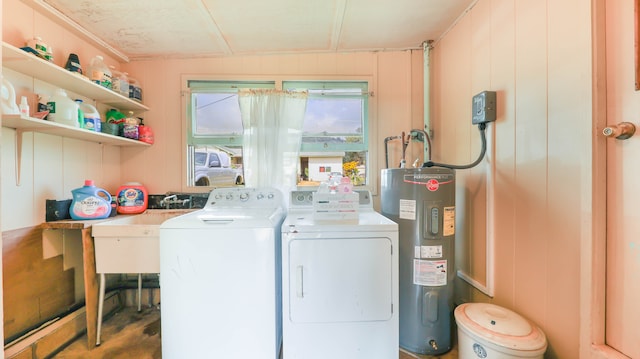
(430, 252)
(449, 221)
(430, 273)
(407, 209)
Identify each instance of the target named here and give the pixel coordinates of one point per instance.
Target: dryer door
(340, 280)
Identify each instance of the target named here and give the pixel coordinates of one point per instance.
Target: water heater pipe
(426, 74)
(386, 149)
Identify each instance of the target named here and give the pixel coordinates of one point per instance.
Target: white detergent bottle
(91, 117)
(62, 109)
(9, 106)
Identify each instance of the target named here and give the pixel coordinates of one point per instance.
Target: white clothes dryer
(340, 284)
(220, 283)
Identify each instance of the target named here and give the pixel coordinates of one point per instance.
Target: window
(335, 131)
(215, 133)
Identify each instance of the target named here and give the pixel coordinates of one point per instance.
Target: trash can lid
(500, 326)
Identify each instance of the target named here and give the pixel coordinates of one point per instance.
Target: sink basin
(131, 243)
(135, 225)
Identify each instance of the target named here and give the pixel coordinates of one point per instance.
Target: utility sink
(144, 224)
(131, 243)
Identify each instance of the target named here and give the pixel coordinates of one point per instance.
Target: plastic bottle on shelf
(120, 82)
(24, 107)
(62, 109)
(131, 126)
(91, 117)
(49, 54)
(145, 133)
(124, 86)
(135, 91)
(99, 72)
(116, 118)
(37, 44)
(9, 106)
(73, 64)
(80, 113)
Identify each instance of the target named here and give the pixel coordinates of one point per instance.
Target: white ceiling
(194, 28)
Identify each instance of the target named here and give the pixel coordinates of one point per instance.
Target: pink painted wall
(532, 196)
(394, 80)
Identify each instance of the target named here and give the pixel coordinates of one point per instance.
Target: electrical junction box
(484, 107)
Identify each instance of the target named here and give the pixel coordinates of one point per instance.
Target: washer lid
(500, 326)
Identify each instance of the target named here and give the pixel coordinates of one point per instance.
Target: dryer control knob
(244, 196)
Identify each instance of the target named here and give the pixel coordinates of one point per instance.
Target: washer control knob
(229, 196)
(260, 196)
(270, 196)
(244, 196)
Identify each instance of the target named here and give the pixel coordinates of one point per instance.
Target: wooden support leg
(90, 285)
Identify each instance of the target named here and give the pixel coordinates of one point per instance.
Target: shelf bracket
(19, 135)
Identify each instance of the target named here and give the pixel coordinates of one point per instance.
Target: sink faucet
(173, 199)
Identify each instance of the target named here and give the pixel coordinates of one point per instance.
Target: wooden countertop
(87, 223)
(73, 224)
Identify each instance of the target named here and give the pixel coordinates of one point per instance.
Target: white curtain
(272, 121)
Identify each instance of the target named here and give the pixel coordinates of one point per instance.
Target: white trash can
(492, 332)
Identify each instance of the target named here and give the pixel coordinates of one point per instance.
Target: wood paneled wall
(35, 289)
(537, 56)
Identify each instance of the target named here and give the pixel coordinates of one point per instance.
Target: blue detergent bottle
(90, 202)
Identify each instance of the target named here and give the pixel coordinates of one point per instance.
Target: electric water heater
(422, 202)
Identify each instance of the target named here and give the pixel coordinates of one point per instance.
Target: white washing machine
(220, 283)
(340, 284)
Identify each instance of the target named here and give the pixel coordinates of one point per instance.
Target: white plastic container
(24, 108)
(120, 82)
(489, 331)
(62, 109)
(99, 72)
(80, 113)
(9, 106)
(91, 117)
(37, 44)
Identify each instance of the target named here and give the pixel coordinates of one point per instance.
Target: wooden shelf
(26, 63)
(54, 128)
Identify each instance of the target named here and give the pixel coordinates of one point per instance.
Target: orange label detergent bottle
(132, 198)
(90, 202)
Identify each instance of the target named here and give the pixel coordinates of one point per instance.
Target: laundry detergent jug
(90, 202)
(132, 198)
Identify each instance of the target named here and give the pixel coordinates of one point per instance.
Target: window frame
(337, 84)
(369, 127)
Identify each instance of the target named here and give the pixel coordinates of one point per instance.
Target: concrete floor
(129, 334)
